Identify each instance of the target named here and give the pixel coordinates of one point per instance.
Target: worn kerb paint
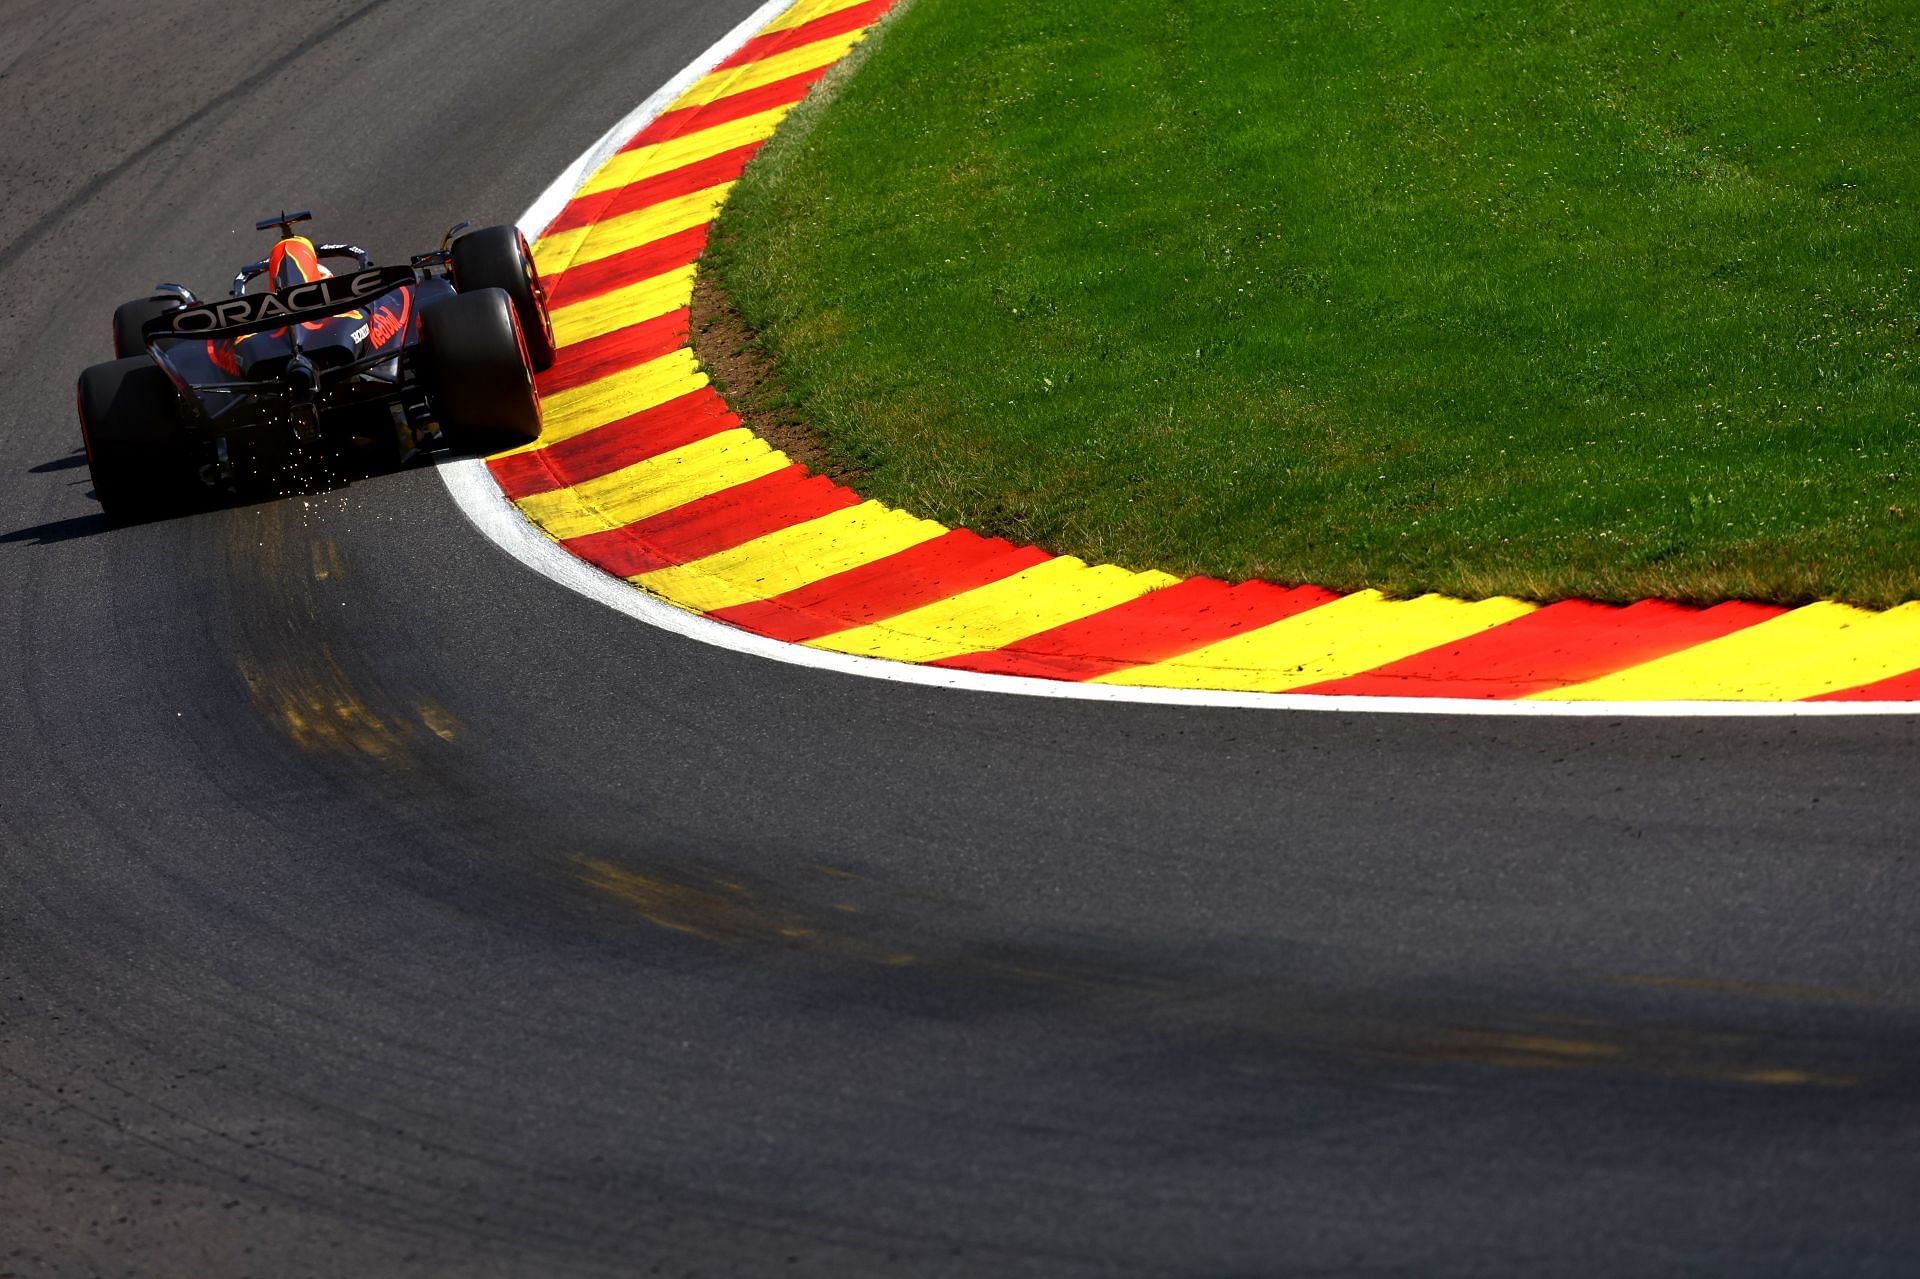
(648, 494)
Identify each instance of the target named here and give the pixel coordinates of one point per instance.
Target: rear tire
(497, 257)
(479, 376)
(136, 444)
(129, 318)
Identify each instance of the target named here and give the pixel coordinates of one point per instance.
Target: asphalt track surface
(370, 905)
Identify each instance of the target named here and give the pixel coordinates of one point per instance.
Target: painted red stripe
(1895, 688)
(588, 209)
(1562, 644)
(1156, 626)
(591, 279)
(735, 106)
(943, 566)
(634, 438)
(834, 24)
(717, 522)
(610, 353)
(674, 183)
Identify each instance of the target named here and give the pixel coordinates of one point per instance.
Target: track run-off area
(371, 904)
(645, 474)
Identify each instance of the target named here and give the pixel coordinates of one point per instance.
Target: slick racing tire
(129, 318)
(497, 257)
(479, 376)
(137, 448)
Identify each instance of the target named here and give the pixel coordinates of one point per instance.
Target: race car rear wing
(252, 312)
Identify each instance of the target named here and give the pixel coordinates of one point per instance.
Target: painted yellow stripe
(1355, 633)
(617, 308)
(1821, 648)
(790, 558)
(781, 66)
(658, 484)
(1047, 595)
(580, 409)
(641, 163)
(554, 252)
(806, 11)
(559, 250)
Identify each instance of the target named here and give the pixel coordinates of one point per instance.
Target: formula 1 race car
(275, 385)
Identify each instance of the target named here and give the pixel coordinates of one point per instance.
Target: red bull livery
(303, 366)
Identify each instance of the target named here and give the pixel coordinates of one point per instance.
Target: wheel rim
(537, 287)
(526, 370)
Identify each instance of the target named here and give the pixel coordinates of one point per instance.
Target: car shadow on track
(76, 526)
(71, 461)
(63, 530)
(59, 530)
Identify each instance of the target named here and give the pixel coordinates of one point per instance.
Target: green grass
(1605, 299)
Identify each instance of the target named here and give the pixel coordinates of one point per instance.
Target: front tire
(497, 257)
(136, 444)
(480, 377)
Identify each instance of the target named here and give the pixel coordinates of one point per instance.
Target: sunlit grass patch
(1608, 300)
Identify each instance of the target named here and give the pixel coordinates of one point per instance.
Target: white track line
(487, 507)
